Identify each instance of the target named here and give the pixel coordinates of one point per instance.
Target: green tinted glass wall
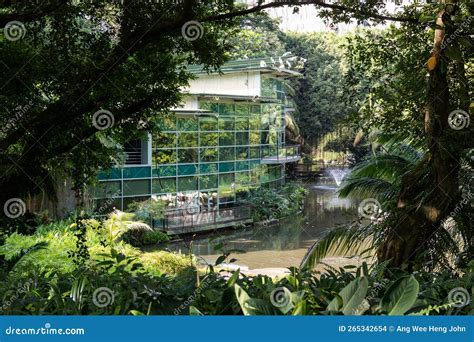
(217, 153)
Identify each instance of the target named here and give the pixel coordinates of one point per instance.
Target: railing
(181, 218)
(285, 154)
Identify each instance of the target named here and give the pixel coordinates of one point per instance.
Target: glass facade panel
(167, 156)
(209, 139)
(242, 153)
(164, 139)
(164, 171)
(226, 123)
(136, 172)
(187, 169)
(208, 182)
(242, 124)
(226, 109)
(208, 154)
(208, 168)
(226, 153)
(107, 189)
(187, 183)
(187, 140)
(208, 124)
(188, 155)
(136, 187)
(110, 174)
(242, 138)
(187, 124)
(164, 185)
(242, 110)
(226, 139)
(220, 155)
(226, 167)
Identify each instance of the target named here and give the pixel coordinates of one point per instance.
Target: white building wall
(239, 84)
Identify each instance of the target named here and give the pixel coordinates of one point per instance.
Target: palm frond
(139, 227)
(366, 187)
(341, 241)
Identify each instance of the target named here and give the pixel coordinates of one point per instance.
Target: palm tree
(379, 177)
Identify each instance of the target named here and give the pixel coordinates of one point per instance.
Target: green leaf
(221, 259)
(352, 297)
(193, 311)
(401, 296)
(300, 309)
(252, 306)
(233, 278)
(136, 313)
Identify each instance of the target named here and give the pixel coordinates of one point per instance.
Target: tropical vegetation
(403, 93)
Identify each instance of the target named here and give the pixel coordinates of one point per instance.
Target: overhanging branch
(319, 3)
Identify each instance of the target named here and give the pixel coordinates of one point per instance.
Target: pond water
(281, 245)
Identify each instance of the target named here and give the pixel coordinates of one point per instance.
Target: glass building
(228, 137)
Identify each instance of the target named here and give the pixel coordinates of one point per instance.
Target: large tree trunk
(414, 224)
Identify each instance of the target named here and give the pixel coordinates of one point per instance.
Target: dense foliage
(114, 279)
(269, 205)
(319, 94)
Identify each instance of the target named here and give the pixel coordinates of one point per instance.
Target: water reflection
(284, 244)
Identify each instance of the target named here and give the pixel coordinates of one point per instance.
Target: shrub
(270, 204)
(145, 238)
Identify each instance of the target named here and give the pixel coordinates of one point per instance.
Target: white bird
(263, 64)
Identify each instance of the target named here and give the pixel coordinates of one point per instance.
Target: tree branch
(319, 3)
(36, 13)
